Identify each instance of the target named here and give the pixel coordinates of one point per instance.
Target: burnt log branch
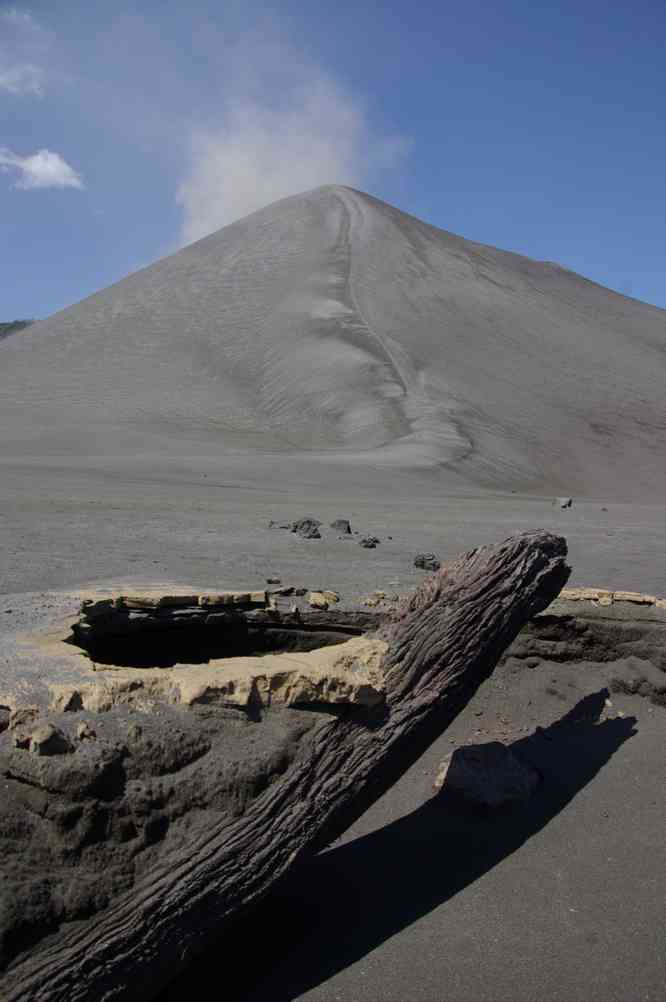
(440, 645)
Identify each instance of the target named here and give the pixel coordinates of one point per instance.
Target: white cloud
(43, 169)
(262, 151)
(24, 79)
(251, 121)
(15, 16)
(23, 43)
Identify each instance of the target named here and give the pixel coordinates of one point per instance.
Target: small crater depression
(162, 630)
(198, 645)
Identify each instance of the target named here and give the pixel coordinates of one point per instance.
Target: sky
(128, 130)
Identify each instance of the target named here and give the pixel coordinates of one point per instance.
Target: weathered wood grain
(442, 643)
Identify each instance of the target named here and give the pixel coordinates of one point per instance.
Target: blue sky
(128, 130)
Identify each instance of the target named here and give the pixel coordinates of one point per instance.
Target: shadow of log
(337, 907)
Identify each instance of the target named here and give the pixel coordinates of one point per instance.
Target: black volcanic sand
(425, 898)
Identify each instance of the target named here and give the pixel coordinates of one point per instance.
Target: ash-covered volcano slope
(331, 323)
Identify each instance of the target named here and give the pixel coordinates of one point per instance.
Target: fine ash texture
(332, 323)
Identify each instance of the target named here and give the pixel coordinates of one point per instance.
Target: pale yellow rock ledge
(603, 596)
(345, 673)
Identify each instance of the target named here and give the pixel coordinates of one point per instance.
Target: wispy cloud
(43, 169)
(24, 79)
(262, 148)
(15, 16)
(249, 122)
(23, 43)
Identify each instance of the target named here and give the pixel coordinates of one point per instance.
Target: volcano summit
(335, 326)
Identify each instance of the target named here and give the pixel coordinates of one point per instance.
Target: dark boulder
(490, 775)
(307, 528)
(563, 502)
(427, 562)
(342, 525)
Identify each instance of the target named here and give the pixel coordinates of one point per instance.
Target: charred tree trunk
(441, 645)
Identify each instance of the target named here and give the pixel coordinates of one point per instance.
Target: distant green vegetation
(13, 327)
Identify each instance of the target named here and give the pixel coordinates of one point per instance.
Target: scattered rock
(134, 732)
(532, 662)
(600, 596)
(637, 597)
(342, 525)
(149, 600)
(489, 775)
(85, 732)
(279, 525)
(49, 740)
(307, 528)
(300, 591)
(322, 599)
(232, 598)
(427, 562)
(379, 598)
(273, 581)
(563, 502)
(369, 542)
(22, 717)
